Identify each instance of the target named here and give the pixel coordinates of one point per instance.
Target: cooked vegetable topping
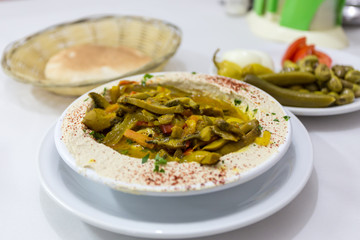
(168, 124)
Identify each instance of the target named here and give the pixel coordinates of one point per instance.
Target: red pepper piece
(126, 82)
(166, 128)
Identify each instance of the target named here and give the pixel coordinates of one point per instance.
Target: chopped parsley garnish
(145, 158)
(247, 108)
(129, 141)
(86, 99)
(237, 102)
(273, 113)
(286, 118)
(145, 78)
(104, 92)
(193, 72)
(159, 161)
(97, 136)
(255, 110)
(124, 152)
(260, 127)
(276, 120)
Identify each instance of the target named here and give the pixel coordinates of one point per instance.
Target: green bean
(97, 119)
(211, 111)
(246, 140)
(152, 107)
(148, 115)
(100, 101)
(169, 143)
(176, 132)
(166, 118)
(215, 145)
(248, 126)
(223, 134)
(203, 157)
(142, 95)
(228, 127)
(206, 134)
(127, 108)
(117, 132)
(185, 101)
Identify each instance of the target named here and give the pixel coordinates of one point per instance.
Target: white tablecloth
(327, 208)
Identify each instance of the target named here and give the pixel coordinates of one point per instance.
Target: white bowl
(252, 98)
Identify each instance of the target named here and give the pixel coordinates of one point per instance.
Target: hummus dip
(129, 174)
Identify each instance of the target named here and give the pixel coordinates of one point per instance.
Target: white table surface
(327, 208)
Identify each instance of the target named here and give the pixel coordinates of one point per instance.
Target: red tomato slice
(302, 52)
(323, 58)
(166, 128)
(293, 48)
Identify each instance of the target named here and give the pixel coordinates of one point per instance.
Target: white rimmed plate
(181, 217)
(338, 57)
(283, 142)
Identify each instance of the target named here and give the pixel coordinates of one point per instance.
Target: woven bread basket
(25, 59)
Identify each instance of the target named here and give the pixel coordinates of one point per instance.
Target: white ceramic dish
(181, 217)
(338, 57)
(183, 189)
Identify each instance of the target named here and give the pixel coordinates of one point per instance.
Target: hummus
(130, 174)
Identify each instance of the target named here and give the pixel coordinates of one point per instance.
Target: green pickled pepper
(229, 69)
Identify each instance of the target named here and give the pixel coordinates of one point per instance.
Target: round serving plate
(181, 217)
(181, 190)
